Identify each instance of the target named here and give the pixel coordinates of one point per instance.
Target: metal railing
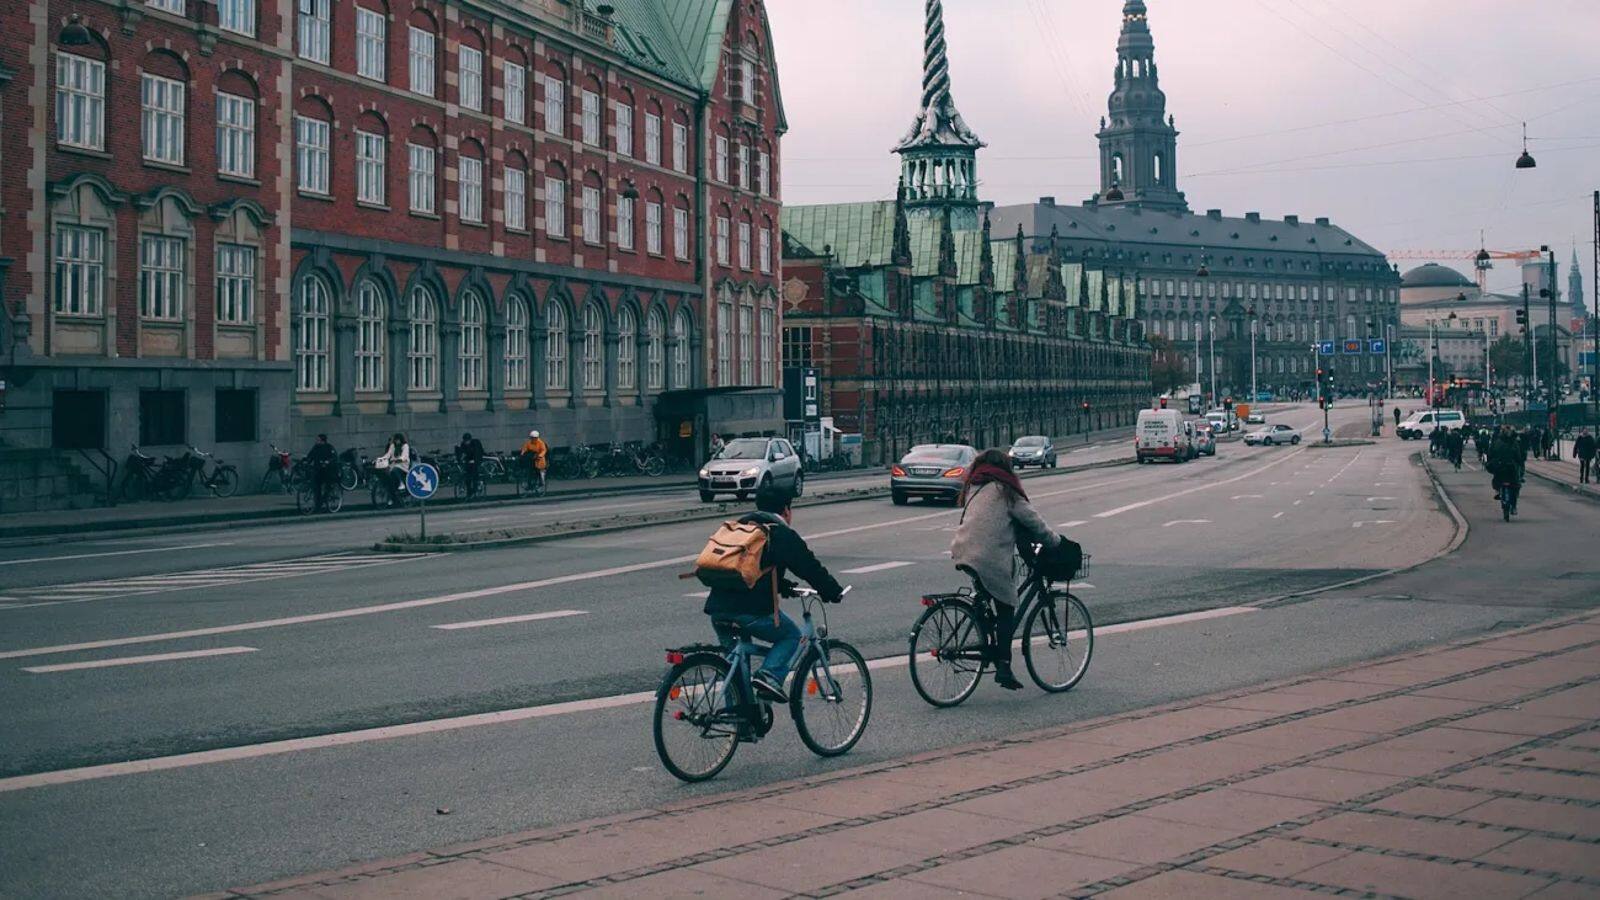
(107, 468)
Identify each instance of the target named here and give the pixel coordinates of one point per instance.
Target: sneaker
(768, 687)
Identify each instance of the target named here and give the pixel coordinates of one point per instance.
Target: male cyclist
(752, 608)
(1505, 464)
(469, 453)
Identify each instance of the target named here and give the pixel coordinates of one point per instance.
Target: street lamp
(1525, 161)
(1211, 344)
(75, 33)
(1433, 340)
(1252, 311)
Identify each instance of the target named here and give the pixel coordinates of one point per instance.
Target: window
(312, 341)
(161, 277)
(680, 147)
(744, 245)
(162, 419)
(236, 284)
(372, 34)
(516, 354)
(722, 158)
(80, 102)
(555, 347)
(769, 317)
(766, 251)
(722, 239)
(311, 154)
(591, 214)
(724, 342)
(594, 353)
(80, 271)
(471, 342)
(423, 352)
(591, 118)
(555, 106)
(680, 232)
(555, 206)
(746, 337)
(420, 178)
(764, 173)
(625, 223)
(315, 29)
(627, 348)
(652, 139)
(797, 346)
(470, 86)
(516, 199)
(236, 135)
(421, 61)
(655, 346)
(742, 152)
(238, 16)
(516, 99)
(161, 119)
(235, 415)
(624, 129)
(369, 167)
(470, 188)
(371, 335)
(747, 81)
(680, 350)
(652, 227)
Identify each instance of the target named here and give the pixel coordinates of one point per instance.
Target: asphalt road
(314, 655)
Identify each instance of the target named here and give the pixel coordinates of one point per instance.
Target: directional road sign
(1352, 347)
(422, 481)
(1376, 348)
(1325, 348)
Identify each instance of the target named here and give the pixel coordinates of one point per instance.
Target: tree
(1509, 357)
(1168, 369)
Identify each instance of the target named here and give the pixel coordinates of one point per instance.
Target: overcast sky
(1397, 118)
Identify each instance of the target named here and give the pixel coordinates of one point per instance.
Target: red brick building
(234, 223)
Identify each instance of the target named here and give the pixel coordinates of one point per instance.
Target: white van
(1422, 424)
(1163, 434)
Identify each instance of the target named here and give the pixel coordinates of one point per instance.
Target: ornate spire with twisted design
(938, 124)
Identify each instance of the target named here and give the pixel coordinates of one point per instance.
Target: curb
(1572, 488)
(722, 510)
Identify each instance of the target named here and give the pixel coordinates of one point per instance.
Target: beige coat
(993, 522)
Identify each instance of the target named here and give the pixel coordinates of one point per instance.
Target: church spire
(1575, 287)
(939, 153)
(1139, 144)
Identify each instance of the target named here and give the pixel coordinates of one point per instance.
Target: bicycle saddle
(977, 583)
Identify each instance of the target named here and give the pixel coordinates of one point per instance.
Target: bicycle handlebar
(805, 593)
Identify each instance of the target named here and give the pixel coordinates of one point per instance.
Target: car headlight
(751, 472)
(705, 473)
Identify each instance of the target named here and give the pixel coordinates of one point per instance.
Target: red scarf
(984, 473)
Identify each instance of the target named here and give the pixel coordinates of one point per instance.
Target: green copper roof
(860, 234)
(1005, 265)
(924, 247)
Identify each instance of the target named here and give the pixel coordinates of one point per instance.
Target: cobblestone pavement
(1465, 770)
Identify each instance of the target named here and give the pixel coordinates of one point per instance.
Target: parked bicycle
(352, 469)
(221, 481)
(144, 478)
(706, 706)
(953, 641)
(279, 474)
(580, 461)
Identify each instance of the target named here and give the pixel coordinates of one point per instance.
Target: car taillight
(956, 472)
(674, 657)
(897, 472)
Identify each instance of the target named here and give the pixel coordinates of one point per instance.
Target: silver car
(1033, 450)
(935, 471)
(747, 464)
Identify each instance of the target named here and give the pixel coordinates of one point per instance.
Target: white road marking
(1376, 499)
(1298, 502)
(45, 559)
(1186, 522)
(136, 660)
(508, 620)
(880, 567)
(1073, 524)
(457, 723)
(1176, 494)
(698, 595)
(1246, 497)
(1311, 493)
(1277, 515)
(1373, 522)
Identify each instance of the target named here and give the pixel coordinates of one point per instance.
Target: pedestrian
(324, 471)
(535, 456)
(1585, 449)
(716, 444)
(469, 453)
(1549, 437)
(1455, 442)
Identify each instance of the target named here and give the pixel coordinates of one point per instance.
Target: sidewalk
(1468, 770)
(1564, 473)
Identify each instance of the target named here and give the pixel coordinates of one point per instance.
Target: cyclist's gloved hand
(834, 598)
(787, 586)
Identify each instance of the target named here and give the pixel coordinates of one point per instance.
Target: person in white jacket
(997, 517)
(394, 464)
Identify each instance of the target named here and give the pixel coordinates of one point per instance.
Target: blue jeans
(784, 638)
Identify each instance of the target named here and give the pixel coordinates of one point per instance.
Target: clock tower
(1138, 141)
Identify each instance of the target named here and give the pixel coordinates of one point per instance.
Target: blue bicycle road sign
(422, 481)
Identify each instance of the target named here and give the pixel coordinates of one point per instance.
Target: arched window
(594, 354)
(471, 342)
(370, 338)
(1116, 168)
(516, 344)
(1159, 167)
(769, 321)
(1350, 328)
(746, 341)
(311, 346)
(424, 350)
(655, 331)
(627, 349)
(680, 350)
(555, 346)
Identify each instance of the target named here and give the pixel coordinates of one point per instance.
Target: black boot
(1004, 678)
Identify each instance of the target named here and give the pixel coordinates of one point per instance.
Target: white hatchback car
(1273, 434)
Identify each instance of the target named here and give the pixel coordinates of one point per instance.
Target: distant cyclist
(324, 471)
(1505, 464)
(470, 454)
(535, 456)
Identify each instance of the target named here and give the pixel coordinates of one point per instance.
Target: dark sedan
(936, 471)
(1033, 450)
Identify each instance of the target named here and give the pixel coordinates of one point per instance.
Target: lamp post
(1252, 354)
(1211, 351)
(1197, 328)
(1388, 361)
(1594, 323)
(1203, 272)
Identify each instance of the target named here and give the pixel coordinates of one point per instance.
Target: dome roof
(1434, 275)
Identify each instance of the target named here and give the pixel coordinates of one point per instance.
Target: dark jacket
(788, 553)
(470, 451)
(1505, 455)
(1583, 447)
(321, 454)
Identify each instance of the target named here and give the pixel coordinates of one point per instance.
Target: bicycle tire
(655, 467)
(335, 501)
(693, 700)
(305, 500)
(1053, 633)
(349, 477)
(846, 666)
(955, 621)
(180, 488)
(225, 483)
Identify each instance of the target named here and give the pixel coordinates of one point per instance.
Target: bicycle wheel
(692, 739)
(335, 499)
(949, 651)
(831, 704)
(179, 488)
(655, 466)
(1057, 642)
(225, 482)
(349, 477)
(305, 500)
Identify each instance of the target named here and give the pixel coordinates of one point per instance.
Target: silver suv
(746, 464)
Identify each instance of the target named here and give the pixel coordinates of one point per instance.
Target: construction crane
(1482, 259)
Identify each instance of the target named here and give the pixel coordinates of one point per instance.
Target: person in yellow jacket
(536, 455)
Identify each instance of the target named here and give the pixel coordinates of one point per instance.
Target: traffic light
(1163, 403)
(1086, 407)
(1227, 403)
(1522, 320)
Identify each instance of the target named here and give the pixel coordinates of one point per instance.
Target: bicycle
(352, 470)
(278, 474)
(305, 495)
(223, 479)
(952, 642)
(704, 707)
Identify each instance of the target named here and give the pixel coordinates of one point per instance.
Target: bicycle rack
(109, 470)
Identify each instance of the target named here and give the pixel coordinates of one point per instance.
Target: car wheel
(799, 484)
(1295, 439)
(899, 498)
(707, 496)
